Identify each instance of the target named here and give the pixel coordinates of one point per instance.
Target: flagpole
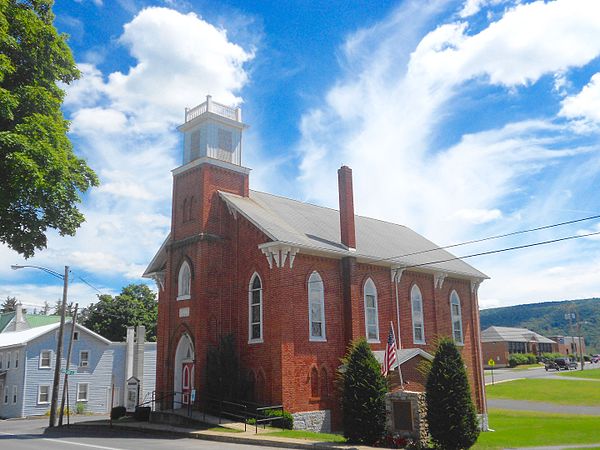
(397, 360)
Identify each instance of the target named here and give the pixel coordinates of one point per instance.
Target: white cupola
(213, 130)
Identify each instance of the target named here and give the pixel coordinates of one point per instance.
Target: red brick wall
(223, 261)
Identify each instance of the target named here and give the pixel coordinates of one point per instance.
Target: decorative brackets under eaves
(279, 254)
(159, 278)
(439, 278)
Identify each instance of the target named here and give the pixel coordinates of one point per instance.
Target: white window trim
(5, 395)
(15, 394)
(1, 361)
(453, 317)
(39, 402)
(16, 361)
(250, 339)
(87, 362)
(87, 392)
(323, 337)
(49, 366)
(372, 284)
(180, 290)
(412, 310)
(8, 355)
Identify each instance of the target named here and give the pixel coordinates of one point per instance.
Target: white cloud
(472, 7)
(383, 115)
(123, 123)
(586, 104)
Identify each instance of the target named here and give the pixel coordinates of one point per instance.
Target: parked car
(595, 359)
(560, 364)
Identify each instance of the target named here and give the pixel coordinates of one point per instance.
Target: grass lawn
(562, 392)
(535, 429)
(309, 435)
(587, 373)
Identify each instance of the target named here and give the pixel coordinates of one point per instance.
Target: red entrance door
(187, 381)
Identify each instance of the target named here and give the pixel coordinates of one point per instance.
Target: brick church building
(295, 282)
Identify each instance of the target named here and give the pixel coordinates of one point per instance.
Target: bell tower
(213, 130)
(211, 162)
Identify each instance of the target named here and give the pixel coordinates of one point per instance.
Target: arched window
(316, 308)
(255, 313)
(314, 382)
(371, 315)
(184, 281)
(324, 383)
(416, 301)
(457, 331)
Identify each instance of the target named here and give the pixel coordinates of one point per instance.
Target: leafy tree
(40, 176)
(223, 370)
(363, 395)
(110, 316)
(451, 414)
(9, 305)
(45, 310)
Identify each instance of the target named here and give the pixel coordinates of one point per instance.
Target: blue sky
(461, 119)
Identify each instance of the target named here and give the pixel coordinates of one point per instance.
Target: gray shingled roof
(317, 228)
(507, 334)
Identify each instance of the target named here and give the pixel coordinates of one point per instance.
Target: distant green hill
(548, 319)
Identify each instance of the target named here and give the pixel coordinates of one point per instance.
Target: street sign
(491, 362)
(67, 371)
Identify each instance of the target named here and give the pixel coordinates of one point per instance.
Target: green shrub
(451, 416)
(363, 395)
(286, 422)
(516, 359)
(117, 412)
(80, 407)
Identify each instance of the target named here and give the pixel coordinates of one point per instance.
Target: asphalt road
(511, 374)
(31, 434)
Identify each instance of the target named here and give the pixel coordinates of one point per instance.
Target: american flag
(390, 353)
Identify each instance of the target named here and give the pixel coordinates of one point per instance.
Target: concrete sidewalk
(236, 437)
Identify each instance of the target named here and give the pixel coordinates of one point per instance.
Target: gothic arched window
(416, 301)
(255, 310)
(371, 314)
(455, 312)
(316, 307)
(184, 281)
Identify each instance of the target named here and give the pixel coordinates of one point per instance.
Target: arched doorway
(183, 382)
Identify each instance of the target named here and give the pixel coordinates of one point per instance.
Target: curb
(264, 442)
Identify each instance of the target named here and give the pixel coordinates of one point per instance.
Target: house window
(84, 358)
(371, 315)
(457, 331)
(76, 335)
(316, 305)
(184, 281)
(8, 360)
(14, 396)
(43, 394)
(6, 395)
(16, 359)
(45, 356)
(416, 300)
(82, 392)
(1, 361)
(255, 301)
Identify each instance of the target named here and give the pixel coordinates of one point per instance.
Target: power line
(516, 247)
(498, 236)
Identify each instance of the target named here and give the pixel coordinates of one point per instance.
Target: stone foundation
(319, 421)
(484, 424)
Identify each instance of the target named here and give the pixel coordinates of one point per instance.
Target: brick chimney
(346, 207)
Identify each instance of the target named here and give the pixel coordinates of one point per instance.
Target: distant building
(27, 360)
(498, 343)
(569, 345)
(17, 320)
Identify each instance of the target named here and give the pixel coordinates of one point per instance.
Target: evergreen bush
(286, 422)
(363, 395)
(451, 416)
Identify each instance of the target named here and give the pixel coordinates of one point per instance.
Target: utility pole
(66, 382)
(579, 337)
(59, 345)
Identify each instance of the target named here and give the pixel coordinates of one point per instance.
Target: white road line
(60, 441)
